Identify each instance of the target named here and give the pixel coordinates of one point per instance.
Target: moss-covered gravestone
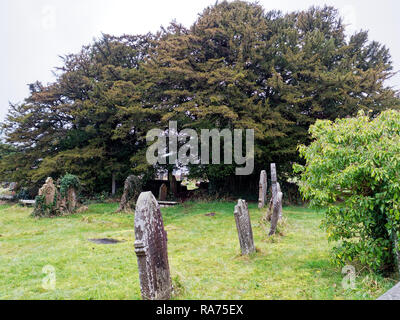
(46, 200)
(132, 188)
(52, 201)
(69, 188)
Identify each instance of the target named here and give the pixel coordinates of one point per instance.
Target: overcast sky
(36, 32)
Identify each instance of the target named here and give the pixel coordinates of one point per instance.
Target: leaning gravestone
(262, 189)
(277, 203)
(244, 229)
(278, 187)
(162, 196)
(151, 249)
(276, 200)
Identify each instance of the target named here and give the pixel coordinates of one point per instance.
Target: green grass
(204, 256)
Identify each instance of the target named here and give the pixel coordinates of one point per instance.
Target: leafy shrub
(353, 171)
(5, 191)
(22, 194)
(101, 197)
(69, 181)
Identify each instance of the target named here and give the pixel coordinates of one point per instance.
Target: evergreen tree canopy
(237, 66)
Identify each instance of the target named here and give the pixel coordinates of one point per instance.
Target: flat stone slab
(164, 204)
(7, 197)
(27, 202)
(171, 203)
(392, 294)
(105, 241)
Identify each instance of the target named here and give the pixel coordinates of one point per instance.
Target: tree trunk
(396, 250)
(113, 184)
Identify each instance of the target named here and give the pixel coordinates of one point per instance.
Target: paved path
(392, 294)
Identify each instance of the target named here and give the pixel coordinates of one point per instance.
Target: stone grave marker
(162, 196)
(278, 187)
(71, 200)
(132, 187)
(174, 185)
(151, 249)
(46, 202)
(262, 189)
(244, 229)
(277, 203)
(274, 185)
(48, 190)
(276, 200)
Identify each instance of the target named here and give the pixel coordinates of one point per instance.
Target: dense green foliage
(352, 170)
(235, 67)
(69, 181)
(42, 209)
(75, 124)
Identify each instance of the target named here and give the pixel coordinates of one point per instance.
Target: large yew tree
(237, 66)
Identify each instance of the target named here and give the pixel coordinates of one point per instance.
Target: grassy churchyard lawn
(204, 256)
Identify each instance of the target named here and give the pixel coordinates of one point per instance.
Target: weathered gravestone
(59, 198)
(71, 201)
(48, 191)
(276, 200)
(173, 185)
(46, 201)
(278, 187)
(275, 213)
(262, 189)
(244, 229)
(162, 196)
(67, 197)
(151, 249)
(132, 188)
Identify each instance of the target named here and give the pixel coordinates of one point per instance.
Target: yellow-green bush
(353, 171)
